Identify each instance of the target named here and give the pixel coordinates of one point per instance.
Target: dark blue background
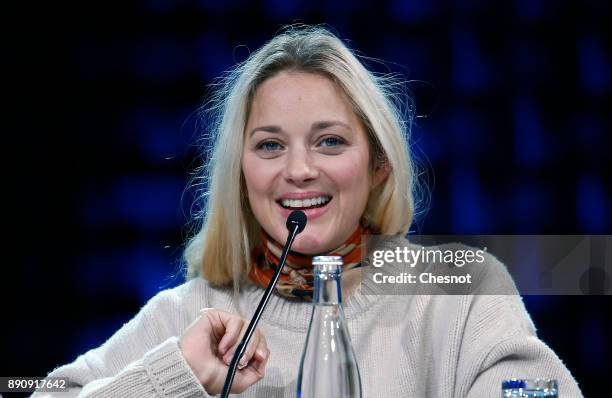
(514, 100)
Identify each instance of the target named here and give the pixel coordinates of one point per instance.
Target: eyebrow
(316, 126)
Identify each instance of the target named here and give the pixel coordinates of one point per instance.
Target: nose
(300, 168)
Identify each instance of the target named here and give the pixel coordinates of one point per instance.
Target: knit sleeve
(142, 359)
(522, 357)
(500, 342)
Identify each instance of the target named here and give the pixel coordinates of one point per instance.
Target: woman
(302, 124)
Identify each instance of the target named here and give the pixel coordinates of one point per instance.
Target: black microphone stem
(229, 379)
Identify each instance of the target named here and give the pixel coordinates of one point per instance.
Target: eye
(269, 146)
(331, 142)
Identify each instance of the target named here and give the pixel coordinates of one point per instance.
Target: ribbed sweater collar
(294, 314)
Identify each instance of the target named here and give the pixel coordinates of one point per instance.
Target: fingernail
(243, 362)
(262, 353)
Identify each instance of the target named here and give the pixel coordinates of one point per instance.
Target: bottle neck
(327, 288)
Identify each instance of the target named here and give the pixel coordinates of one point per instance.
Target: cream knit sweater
(439, 346)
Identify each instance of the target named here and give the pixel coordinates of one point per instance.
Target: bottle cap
(529, 385)
(327, 263)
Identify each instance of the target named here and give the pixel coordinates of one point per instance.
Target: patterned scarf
(296, 278)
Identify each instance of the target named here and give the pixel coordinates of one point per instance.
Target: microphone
(296, 222)
(296, 218)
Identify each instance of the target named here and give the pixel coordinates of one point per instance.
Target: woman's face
(305, 148)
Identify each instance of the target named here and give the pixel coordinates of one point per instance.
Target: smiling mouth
(304, 204)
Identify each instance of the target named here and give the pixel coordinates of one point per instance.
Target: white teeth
(306, 202)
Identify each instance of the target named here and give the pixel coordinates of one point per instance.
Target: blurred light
(410, 55)
(529, 143)
(161, 60)
(284, 9)
(529, 9)
(592, 341)
(592, 66)
(471, 72)
(159, 133)
(530, 63)
(411, 11)
(539, 304)
(590, 133)
(427, 140)
(162, 6)
(220, 6)
(530, 207)
(591, 205)
(214, 55)
(147, 203)
(470, 7)
(338, 14)
(529, 253)
(466, 201)
(469, 133)
(140, 269)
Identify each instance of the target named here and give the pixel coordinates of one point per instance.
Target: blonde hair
(227, 229)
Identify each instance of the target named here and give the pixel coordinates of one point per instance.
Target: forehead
(298, 93)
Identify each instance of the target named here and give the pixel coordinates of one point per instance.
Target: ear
(380, 174)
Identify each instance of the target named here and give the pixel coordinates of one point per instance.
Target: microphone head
(298, 218)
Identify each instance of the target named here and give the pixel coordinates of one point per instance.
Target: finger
(233, 329)
(250, 350)
(262, 349)
(233, 342)
(255, 371)
(259, 366)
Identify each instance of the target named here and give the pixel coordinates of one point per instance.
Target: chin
(308, 245)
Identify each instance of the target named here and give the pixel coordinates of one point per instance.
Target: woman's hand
(209, 343)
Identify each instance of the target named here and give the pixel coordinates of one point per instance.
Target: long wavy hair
(226, 230)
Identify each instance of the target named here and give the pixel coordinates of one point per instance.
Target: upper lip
(302, 195)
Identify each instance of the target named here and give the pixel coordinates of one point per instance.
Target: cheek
(352, 174)
(258, 175)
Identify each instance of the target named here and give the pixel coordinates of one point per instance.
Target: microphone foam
(298, 218)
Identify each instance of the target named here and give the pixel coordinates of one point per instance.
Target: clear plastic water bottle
(525, 388)
(328, 368)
